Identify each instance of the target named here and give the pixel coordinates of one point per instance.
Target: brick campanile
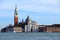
(15, 17)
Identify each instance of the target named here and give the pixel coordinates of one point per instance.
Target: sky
(45, 12)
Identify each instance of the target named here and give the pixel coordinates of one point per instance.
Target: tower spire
(15, 16)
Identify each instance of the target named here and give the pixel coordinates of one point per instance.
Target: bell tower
(16, 17)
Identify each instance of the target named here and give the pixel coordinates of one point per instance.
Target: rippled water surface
(29, 36)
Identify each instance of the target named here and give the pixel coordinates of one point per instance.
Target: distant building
(53, 28)
(42, 28)
(3, 30)
(9, 28)
(18, 29)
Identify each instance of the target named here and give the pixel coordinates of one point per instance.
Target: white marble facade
(30, 27)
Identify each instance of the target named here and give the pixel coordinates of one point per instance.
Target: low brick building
(53, 28)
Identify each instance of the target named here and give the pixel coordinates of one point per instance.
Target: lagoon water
(30, 36)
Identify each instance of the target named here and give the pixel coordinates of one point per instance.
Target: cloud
(41, 8)
(41, 5)
(32, 5)
(51, 6)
